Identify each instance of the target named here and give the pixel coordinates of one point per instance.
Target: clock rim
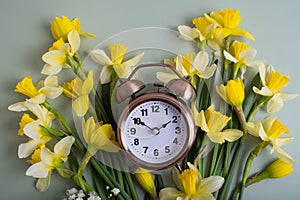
(167, 98)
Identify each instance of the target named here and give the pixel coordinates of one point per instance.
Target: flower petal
(51, 81)
(100, 57)
(124, 69)
(87, 85)
(248, 55)
(81, 105)
(283, 155)
(170, 193)
(201, 121)
(26, 149)
(105, 74)
(38, 99)
(63, 147)
(51, 92)
(232, 135)
(43, 184)
(188, 33)
(208, 72)
(228, 56)
(165, 77)
(51, 70)
(211, 184)
(38, 170)
(74, 41)
(201, 60)
(264, 91)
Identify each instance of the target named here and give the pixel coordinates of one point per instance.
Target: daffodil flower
(241, 55)
(228, 22)
(44, 89)
(50, 161)
(189, 65)
(233, 93)
(56, 59)
(272, 82)
(213, 122)
(79, 90)
(115, 62)
(99, 136)
(270, 130)
(192, 186)
(24, 120)
(32, 129)
(61, 27)
(208, 33)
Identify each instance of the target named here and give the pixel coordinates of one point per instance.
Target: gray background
(25, 37)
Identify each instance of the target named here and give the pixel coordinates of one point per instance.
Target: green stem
(248, 164)
(214, 159)
(227, 157)
(257, 106)
(102, 171)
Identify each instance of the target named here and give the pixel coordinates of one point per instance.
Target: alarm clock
(156, 128)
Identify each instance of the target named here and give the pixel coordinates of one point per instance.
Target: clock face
(156, 133)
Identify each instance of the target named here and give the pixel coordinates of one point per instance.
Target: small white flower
(115, 191)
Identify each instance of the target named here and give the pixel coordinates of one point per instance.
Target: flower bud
(279, 169)
(145, 179)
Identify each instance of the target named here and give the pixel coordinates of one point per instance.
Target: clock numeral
(174, 119)
(167, 149)
(132, 131)
(155, 108)
(155, 152)
(175, 141)
(177, 130)
(137, 121)
(144, 112)
(136, 141)
(145, 149)
(166, 110)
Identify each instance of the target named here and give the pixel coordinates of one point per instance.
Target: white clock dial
(156, 132)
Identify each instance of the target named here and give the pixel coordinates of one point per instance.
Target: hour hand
(165, 125)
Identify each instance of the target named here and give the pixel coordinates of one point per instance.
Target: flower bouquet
(230, 88)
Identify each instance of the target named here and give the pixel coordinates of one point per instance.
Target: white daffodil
(213, 123)
(192, 186)
(33, 129)
(56, 59)
(37, 94)
(272, 82)
(270, 130)
(114, 62)
(189, 65)
(49, 161)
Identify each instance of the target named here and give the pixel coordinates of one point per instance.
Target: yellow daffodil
(61, 27)
(145, 180)
(56, 59)
(44, 89)
(79, 90)
(115, 62)
(279, 169)
(49, 161)
(33, 129)
(99, 136)
(213, 122)
(241, 55)
(272, 82)
(228, 22)
(233, 93)
(189, 65)
(192, 186)
(270, 130)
